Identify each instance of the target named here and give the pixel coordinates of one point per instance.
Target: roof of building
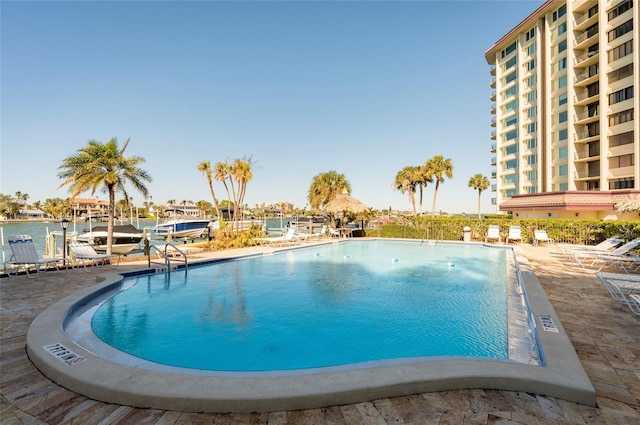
(578, 200)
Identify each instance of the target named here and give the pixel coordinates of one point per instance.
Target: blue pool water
(330, 305)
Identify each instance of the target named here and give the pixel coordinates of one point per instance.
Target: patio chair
(24, 254)
(493, 233)
(312, 236)
(541, 236)
(605, 246)
(287, 239)
(618, 257)
(619, 285)
(334, 233)
(84, 253)
(515, 234)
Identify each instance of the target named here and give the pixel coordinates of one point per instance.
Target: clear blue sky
(362, 88)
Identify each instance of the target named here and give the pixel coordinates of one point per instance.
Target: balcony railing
(584, 95)
(585, 174)
(493, 134)
(583, 37)
(494, 160)
(584, 154)
(583, 57)
(586, 114)
(584, 75)
(586, 135)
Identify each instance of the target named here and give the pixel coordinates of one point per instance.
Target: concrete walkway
(605, 334)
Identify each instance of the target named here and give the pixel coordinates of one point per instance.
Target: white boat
(182, 228)
(126, 238)
(242, 224)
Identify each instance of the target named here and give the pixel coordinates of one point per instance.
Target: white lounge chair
(635, 300)
(541, 236)
(24, 254)
(605, 246)
(84, 253)
(619, 285)
(311, 236)
(618, 257)
(287, 239)
(493, 233)
(334, 233)
(515, 234)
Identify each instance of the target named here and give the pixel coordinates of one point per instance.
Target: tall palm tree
(423, 175)
(104, 165)
(439, 169)
(221, 174)
(479, 182)
(241, 171)
(325, 187)
(406, 181)
(205, 168)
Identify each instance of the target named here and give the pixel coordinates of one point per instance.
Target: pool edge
(563, 377)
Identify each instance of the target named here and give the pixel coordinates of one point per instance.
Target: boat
(241, 224)
(182, 228)
(126, 238)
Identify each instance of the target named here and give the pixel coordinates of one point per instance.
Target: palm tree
(103, 164)
(241, 171)
(221, 174)
(422, 176)
(439, 169)
(479, 182)
(406, 181)
(205, 168)
(325, 187)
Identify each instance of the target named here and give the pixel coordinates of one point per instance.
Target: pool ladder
(169, 254)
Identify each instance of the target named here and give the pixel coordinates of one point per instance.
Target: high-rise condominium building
(565, 108)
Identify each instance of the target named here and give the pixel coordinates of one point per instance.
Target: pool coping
(562, 376)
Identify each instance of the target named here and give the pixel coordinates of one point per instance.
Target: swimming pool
(93, 368)
(324, 306)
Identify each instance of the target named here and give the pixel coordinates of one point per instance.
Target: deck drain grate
(64, 354)
(547, 323)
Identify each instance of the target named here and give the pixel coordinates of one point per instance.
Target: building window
(562, 81)
(619, 9)
(532, 160)
(532, 143)
(621, 139)
(513, 134)
(621, 161)
(511, 106)
(509, 78)
(531, 49)
(621, 30)
(621, 73)
(511, 192)
(562, 28)
(562, 64)
(532, 175)
(563, 134)
(562, 117)
(511, 178)
(509, 49)
(531, 65)
(563, 187)
(563, 170)
(626, 183)
(532, 112)
(531, 81)
(620, 117)
(529, 35)
(511, 121)
(511, 164)
(509, 150)
(532, 189)
(559, 13)
(621, 51)
(511, 92)
(563, 152)
(531, 128)
(532, 96)
(621, 95)
(562, 99)
(511, 63)
(562, 46)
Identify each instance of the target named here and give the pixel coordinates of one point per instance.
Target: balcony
(584, 98)
(493, 95)
(493, 108)
(493, 82)
(585, 175)
(586, 58)
(494, 147)
(493, 174)
(586, 117)
(585, 154)
(494, 187)
(492, 70)
(493, 121)
(585, 78)
(584, 21)
(585, 136)
(493, 135)
(494, 201)
(582, 39)
(494, 160)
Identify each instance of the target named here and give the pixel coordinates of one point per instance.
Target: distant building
(565, 110)
(32, 214)
(94, 207)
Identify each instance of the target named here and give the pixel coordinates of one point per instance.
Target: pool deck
(605, 335)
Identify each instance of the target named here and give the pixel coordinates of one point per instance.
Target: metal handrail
(167, 258)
